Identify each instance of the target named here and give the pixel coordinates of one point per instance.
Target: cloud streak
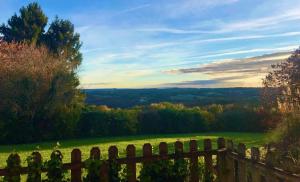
(231, 81)
(136, 8)
(234, 26)
(179, 8)
(252, 24)
(253, 65)
(246, 72)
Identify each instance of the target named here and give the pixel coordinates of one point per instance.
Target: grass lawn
(66, 146)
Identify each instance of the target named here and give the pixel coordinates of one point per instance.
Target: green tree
(61, 39)
(38, 99)
(40, 85)
(28, 26)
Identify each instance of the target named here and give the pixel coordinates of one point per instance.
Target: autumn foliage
(38, 95)
(282, 93)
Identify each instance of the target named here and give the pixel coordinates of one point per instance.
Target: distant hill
(124, 98)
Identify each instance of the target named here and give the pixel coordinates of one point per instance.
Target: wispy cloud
(231, 73)
(250, 24)
(178, 8)
(174, 30)
(233, 26)
(230, 81)
(237, 52)
(253, 65)
(133, 9)
(244, 37)
(196, 40)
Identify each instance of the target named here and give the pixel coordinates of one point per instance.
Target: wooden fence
(231, 165)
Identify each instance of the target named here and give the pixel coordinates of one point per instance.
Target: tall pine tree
(29, 26)
(61, 39)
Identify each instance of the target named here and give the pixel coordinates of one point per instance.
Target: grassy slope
(250, 139)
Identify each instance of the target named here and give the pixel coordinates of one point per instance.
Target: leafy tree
(61, 39)
(30, 25)
(38, 77)
(38, 99)
(282, 85)
(282, 93)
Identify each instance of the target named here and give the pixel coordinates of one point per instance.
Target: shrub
(38, 95)
(13, 167)
(93, 166)
(54, 166)
(285, 144)
(165, 170)
(35, 166)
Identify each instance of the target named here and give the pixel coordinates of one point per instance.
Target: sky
(176, 43)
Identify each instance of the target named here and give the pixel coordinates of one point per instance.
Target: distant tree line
(162, 118)
(127, 98)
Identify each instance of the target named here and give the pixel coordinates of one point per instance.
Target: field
(66, 146)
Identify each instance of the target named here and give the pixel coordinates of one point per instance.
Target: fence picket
(131, 164)
(95, 153)
(163, 150)
(255, 157)
(178, 149)
(76, 165)
(221, 143)
(208, 157)
(37, 159)
(230, 146)
(241, 163)
(14, 170)
(113, 165)
(194, 161)
(231, 163)
(147, 153)
(221, 161)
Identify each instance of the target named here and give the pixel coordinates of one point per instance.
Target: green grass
(66, 146)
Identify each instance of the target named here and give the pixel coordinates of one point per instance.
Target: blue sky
(176, 43)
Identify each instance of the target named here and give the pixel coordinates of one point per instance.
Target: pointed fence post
(131, 164)
(194, 161)
(76, 165)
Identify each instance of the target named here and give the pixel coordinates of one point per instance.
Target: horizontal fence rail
(231, 164)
